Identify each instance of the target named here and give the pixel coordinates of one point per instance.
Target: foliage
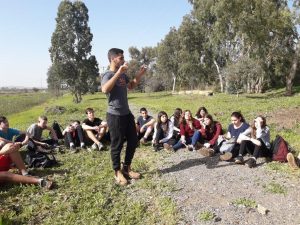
(206, 216)
(73, 65)
(275, 188)
(245, 202)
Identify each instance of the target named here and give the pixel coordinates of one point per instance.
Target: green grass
(85, 191)
(245, 202)
(13, 103)
(275, 188)
(206, 216)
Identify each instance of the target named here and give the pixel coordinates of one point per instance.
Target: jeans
(121, 127)
(76, 139)
(189, 140)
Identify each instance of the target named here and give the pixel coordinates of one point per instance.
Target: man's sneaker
(100, 146)
(143, 140)
(82, 145)
(120, 179)
(126, 170)
(239, 160)
(292, 161)
(94, 146)
(208, 152)
(47, 184)
(251, 162)
(155, 147)
(226, 156)
(73, 149)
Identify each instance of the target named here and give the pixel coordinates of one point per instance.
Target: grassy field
(85, 192)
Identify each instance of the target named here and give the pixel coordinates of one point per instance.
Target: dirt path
(208, 185)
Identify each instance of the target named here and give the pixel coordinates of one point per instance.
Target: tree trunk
(290, 77)
(220, 76)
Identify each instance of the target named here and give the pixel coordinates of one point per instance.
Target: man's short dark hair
(114, 52)
(43, 118)
(89, 110)
(143, 110)
(2, 119)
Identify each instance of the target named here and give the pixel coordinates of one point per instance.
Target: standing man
(120, 120)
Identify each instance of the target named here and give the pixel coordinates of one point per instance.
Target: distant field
(13, 103)
(85, 192)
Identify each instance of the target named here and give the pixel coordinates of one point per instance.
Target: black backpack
(40, 160)
(57, 128)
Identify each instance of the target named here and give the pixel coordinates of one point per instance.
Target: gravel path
(205, 184)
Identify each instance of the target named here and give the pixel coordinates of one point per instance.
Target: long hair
(183, 119)
(263, 125)
(238, 115)
(211, 127)
(177, 117)
(159, 122)
(199, 110)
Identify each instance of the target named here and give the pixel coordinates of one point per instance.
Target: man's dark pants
(121, 127)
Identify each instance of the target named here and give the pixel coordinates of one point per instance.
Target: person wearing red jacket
(189, 132)
(210, 131)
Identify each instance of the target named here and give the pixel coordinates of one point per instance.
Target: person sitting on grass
(95, 129)
(9, 154)
(228, 146)
(210, 132)
(176, 119)
(189, 132)
(7, 134)
(35, 132)
(255, 141)
(144, 126)
(74, 136)
(163, 133)
(200, 114)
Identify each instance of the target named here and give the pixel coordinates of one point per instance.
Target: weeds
(245, 202)
(206, 216)
(275, 188)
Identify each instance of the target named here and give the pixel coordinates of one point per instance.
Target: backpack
(280, 149)
(57, 128)
(40, 159)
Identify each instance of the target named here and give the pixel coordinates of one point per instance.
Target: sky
(26, 28)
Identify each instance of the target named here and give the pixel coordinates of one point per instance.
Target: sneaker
(100, 146)
(143, 141)
(251, 162)
(226, 156)
(155, 148)
(239, 160)
(126, 170)
(46, 184)
(292, 161)
(82, 145)
(94, 146)
(208, 152)
(190, 147)
(73, 149)
(120, 179)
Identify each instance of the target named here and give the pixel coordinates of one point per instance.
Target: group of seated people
(205, 134)
(181, 130)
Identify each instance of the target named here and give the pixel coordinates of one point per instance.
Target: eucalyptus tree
(70, 49)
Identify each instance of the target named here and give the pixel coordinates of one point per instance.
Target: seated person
(255, 141)
(176, 119)
(7, 134)
(228, 146)
(163, 133)
(189, 132)
(144, 126)
(210, 131)
(95, 129)
(200, 114)
(73, 136)
(9, 154)
(35, 131)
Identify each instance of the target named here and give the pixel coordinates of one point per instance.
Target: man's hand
(123, 68)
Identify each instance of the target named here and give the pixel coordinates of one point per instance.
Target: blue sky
(26, 28)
